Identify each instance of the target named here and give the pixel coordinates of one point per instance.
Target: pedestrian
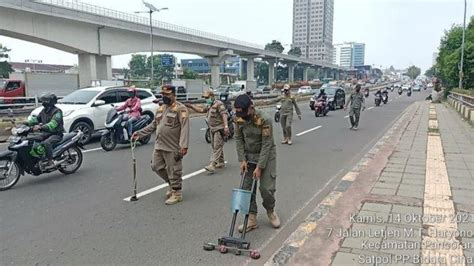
(217, 120)
(171, 125)
(256, 153)
(356, 99)
(288, 101)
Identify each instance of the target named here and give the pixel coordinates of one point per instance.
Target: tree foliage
(295, 51)
(189, 74)
(140, 67)
(275, 46)
(5, 67)
(261, 72)
(448, 62)
(413, 72)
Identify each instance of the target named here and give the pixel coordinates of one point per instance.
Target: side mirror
(99, 103)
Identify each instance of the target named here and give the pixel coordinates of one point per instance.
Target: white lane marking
(347, 116)
(390, 100)
(309, 130)
(370, 108)
(153, 189)
(202, 129)
(91, 150)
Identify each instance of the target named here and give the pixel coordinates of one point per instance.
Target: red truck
(11, 88)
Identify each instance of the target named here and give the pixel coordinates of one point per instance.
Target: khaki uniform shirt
(254, 139)
(214, 115)
(356, 100)
(287, 103)
(172, 127)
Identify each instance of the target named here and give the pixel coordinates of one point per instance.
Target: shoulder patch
(259, 121)
(184, 113)
(161, 109)
(239, 120)
(266, 131)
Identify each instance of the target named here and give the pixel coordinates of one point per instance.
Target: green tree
(261, 72)
(413, 72)
(189, 74)
(5, 67)
(138, 66)
(274, 46)
(295, 51)
(447, 63)
(431, 72)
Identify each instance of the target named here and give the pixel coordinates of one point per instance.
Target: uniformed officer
(287, 103)
(217, 120)
(257, 156)
(356, 99)
(171, 125)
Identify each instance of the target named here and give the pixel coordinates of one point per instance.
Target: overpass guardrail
(462, 98)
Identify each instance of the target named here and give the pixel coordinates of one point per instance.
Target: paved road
(83, 219)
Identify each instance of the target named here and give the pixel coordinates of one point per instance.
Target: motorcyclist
(224, 98)
(378, 93)
(51, 125)
(322, 95)
(385, 93)
(134, 107)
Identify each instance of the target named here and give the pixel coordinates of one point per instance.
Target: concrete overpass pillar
(271, 72)
(215, 65)
(291, 73)
(305, 73)
(94, 67)
(250, 69)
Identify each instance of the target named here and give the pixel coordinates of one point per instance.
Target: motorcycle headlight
(14, 139)
(68, 113)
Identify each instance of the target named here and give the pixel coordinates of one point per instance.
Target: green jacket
(51, 121)
(254, 139)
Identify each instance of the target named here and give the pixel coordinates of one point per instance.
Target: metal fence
(464, 99)
(106, 12)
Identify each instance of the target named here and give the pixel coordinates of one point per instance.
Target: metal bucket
(241, 200)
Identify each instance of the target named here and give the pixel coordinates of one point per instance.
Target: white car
(86, 109)
(304, 90)
(406, 87)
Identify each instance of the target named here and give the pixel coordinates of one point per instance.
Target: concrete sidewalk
(409, 201)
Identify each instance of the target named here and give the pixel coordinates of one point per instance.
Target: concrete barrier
(463, 104)
(471, 116)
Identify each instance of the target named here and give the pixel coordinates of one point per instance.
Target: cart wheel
(223, 249)
(238, 252)
(208, 246)
(254, 254)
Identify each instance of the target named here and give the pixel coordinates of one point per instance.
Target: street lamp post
(151, 9)
(461, 74)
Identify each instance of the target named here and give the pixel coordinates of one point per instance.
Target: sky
(396, 32)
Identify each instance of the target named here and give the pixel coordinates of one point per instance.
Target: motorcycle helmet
(48, 99)
(132, 92)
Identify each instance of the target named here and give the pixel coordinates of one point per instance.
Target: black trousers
(49, 142)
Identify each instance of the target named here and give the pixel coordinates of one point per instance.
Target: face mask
(45, 104)
(166, 100)
(357, 90)
(286, 92)
(243, 114)
(210, 101)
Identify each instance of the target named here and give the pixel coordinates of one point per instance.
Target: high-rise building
(349, 54)
(313, 27)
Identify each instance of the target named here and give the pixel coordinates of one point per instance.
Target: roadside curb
(309, 226)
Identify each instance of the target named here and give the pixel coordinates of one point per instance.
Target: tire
(14, 175)
(86, 128)
(145, 140)
(77, 162)
(108, 142)
(277, 117)
(207, 136)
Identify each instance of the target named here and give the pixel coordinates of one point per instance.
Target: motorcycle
(384, 98)
(321, 108)
(277, 113)
(366, 93)
(19, 158)
(230, 124)
(116, 131)
(378, 100)
(400, 91)
(409, 93)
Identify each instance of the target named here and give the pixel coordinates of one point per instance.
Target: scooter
(277, 113)
(116, 131)
(378, 100)
(20, 157)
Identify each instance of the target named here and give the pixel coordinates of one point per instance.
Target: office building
(349, 54)
(313, 28)
(200, 65)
